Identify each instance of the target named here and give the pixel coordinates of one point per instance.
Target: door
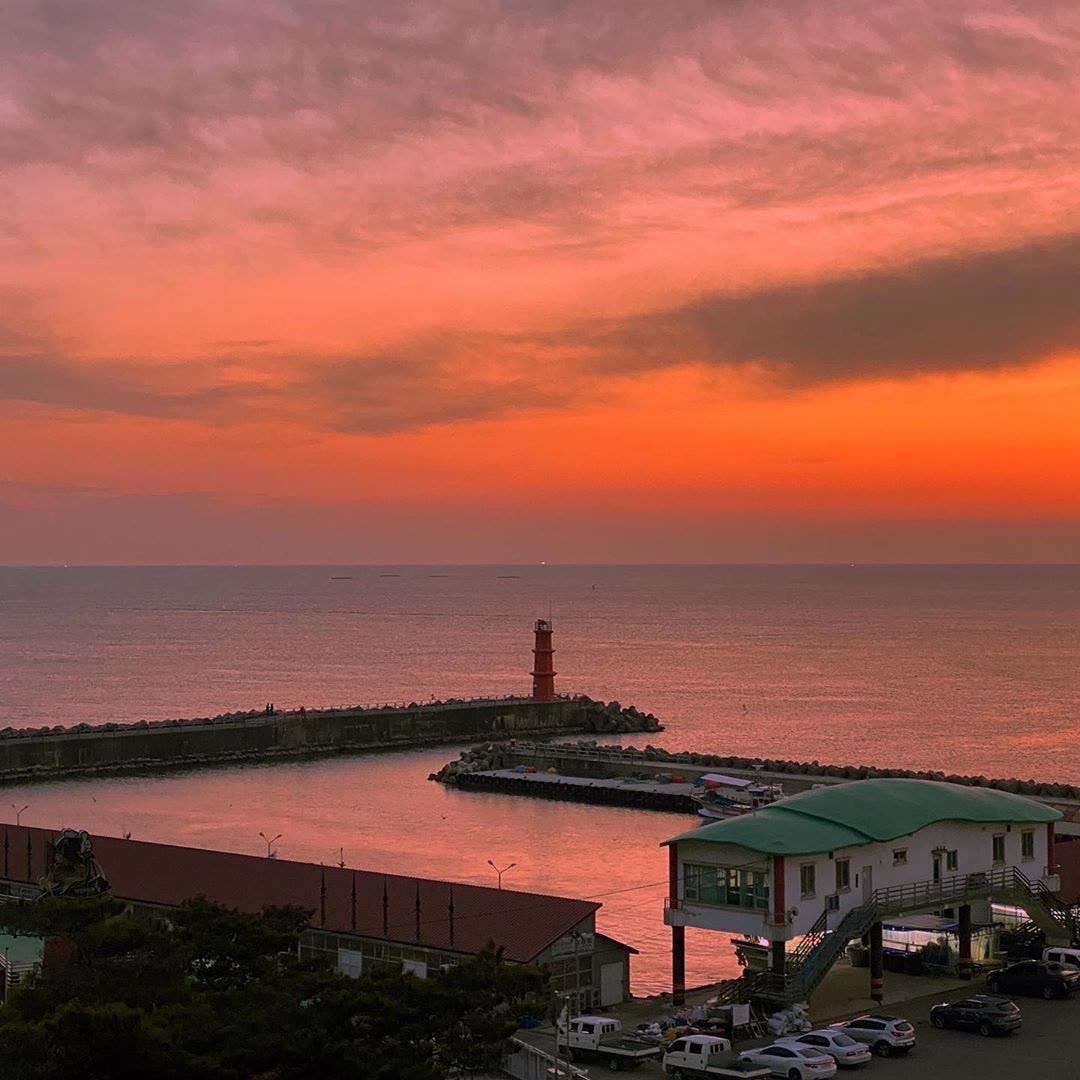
(612, 991)
(937, 869)
(867, 883)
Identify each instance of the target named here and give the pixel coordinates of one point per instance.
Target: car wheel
(1049, 993)
(794, 1074)
(985, 1028)
(676, 1074)
(882, 1049)
(938, 1020)
(993, 986)
(614, 1064)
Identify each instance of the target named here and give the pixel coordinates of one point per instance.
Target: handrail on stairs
(811, 960)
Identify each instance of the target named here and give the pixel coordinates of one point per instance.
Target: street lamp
(269, 853)
(502, 871)
(19, 812)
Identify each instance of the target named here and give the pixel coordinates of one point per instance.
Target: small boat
(729, 796)
(752, 953)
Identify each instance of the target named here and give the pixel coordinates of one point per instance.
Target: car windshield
(844, 1040)
(901, 1025)
(808, 1053)
(1008, 1006)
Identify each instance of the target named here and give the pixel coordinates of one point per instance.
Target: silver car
(842, 1048)
(885, 1035)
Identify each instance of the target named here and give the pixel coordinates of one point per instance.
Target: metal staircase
(815, 955)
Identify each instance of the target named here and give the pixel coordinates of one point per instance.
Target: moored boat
(729, 796)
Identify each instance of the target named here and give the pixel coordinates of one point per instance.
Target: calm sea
(973, 669)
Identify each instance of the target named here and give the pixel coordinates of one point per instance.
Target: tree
(212, 993)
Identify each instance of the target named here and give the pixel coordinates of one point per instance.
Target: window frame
(1027, 845)
(845, 885)
(997, 842)
(952, 861)
(899, 856)
(807, 871)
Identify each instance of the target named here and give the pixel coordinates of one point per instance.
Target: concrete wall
(186, 743)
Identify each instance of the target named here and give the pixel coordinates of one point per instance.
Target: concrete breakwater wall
(660, 797)
(56, 752)
(588, 758)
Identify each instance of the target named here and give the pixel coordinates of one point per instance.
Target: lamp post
(502, 871)
(19, 812)
(270, 854)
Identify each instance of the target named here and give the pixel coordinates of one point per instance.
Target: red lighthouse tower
(543, 671)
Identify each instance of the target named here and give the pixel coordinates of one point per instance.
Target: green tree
(217, 994)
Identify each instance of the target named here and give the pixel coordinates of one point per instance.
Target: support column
(877, 967)
(1051, 862)
(678, 933)
(964, 930)
(678, 965)
(779, 958)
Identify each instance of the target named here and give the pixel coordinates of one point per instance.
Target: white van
(1060, 954)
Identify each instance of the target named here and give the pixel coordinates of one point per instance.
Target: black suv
(985, 1014)
(1034, 977)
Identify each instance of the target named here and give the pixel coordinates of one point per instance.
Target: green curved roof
(865, 812)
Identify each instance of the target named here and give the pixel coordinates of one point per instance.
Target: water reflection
(383, 813)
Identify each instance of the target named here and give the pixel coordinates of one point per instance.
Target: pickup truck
(698, 1056)
(601, 1037)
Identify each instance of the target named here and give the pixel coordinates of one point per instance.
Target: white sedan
(793, 1062)
(843, 1049)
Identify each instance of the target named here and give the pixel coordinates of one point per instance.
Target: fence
(531, 1063)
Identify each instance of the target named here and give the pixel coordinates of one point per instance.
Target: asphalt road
(1046, 1048)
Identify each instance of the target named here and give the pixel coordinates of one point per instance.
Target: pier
(592, 773)
(641, 794)
(263, 735)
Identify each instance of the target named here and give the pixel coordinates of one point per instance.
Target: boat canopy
(715, 779)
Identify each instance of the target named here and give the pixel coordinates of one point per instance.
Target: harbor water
(965, 669)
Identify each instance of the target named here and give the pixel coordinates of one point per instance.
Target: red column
(877, 967)
(964, 930)
(779, 901)
(678, 933)
(543, 671)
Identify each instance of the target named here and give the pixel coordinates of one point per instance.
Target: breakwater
(670, 797)
(35, 754)
(592, 759)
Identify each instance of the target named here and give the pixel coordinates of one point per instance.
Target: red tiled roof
(523, 924)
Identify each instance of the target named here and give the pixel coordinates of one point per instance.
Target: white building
(830, 863)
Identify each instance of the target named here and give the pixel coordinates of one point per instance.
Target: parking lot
(1047, 1047)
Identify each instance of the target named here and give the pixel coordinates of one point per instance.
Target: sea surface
(971, 669)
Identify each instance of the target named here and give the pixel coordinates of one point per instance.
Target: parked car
(843, 1049)
(1043, 977)
(601, 1037)
(982, 1013)
(792, 1062)
(1060, 954)
(709, 1057)
(885, 1035)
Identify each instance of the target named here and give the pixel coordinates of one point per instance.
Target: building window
(843, 875)
(999, 848)
(1027, 844)
(899, 856)
(729, 886)
(807, 882)
(952, 861)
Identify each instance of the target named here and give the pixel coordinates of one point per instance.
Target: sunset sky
(503, 281)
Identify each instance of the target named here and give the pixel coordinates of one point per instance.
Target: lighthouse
(543, 671)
